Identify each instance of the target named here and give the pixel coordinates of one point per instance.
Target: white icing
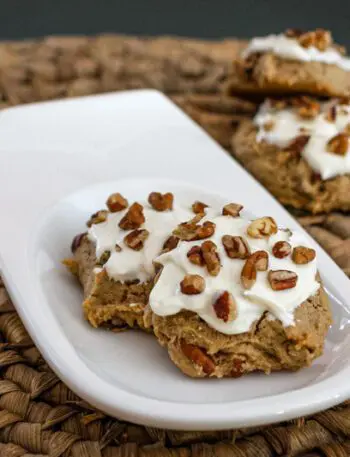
(129, 264)
(287, 125)
(289, 48)
(167, 299)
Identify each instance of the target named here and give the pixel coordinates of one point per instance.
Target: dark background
(202, 18)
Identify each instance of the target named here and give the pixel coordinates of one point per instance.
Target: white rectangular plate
(59, 161)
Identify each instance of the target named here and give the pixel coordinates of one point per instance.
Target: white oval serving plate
(59, 161)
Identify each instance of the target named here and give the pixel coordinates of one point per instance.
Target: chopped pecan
(236, 247)
(278, 103)
(338, 144)
(161, 202)
(198, 356)
(116, 202)
(308, 108)
(225, 307)
(117, 248)
(331, 114)
(293, 33)
(199, 207)
(232, 209)
(282, 279)
(297, 144)
(134, 217)
(190, 231)
(98, 217)
(248, 274)
(260, 260)
(319, 38)
(302, 255)
(192, 285)
(262, 227)
(77, 240)
(237, 369)
(195, 256)
(281, 249)
(346, 129)
(104, 258)
(136, 239)
(171, 243)
(211, 257)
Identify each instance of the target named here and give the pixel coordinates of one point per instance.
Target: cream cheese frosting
(128, 264)
(290, 48)
(287, 125)
(167, 299)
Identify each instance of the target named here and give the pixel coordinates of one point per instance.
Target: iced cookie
(299, 149)
(243, 296)
(114, 258)
(293, 62)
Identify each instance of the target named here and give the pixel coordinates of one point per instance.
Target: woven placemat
(39, 415)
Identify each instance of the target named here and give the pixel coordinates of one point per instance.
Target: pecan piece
(77, 240)
(195, 256)
(190, 231)
(236, 247)
(237, 369)
(282, 279)
(171, 243)
(268, 126)
(136, 239)
(338, 144)
(211, 257)
(104, 258)
(98, 217)
(116, 202)
(281, 249)
(232, 209)
(262, 227)
(260, 260)
(198, 356)
(319, 38)
(192, 285)
(134, 217)
(199, 207)
(225, 307)
(331, 114)
(161, 202)
(302, 255)
(308, 108)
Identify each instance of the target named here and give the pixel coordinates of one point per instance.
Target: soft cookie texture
(200, 351)
(107, 302)
(288, 176)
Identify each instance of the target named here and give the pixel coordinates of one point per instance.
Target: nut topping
(302, 255)
(248, 274)
(134, 217)
(260, 260)
(281, 249)
(225, 307)
(116, 202)
(104, 258)
(268, 126)
(263, 227)
(136, 239)
(161, 202)
(232, 209)
(97, 218)
(195, 256)
(199, 207)
(190, 231)
(198, 356)
(338, 144)
(307, 107)
(77, 240)
(171, 243)
(192, 285)
(211, 257)
(331, 114)
(236, 247)
(282, 279)
(319, 38)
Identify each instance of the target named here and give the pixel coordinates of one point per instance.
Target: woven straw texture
(39, 415)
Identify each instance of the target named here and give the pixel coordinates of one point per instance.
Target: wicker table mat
(39, 415)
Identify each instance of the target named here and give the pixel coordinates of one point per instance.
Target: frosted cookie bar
(113, 260)
(299, 149)
(292, 62)
(243, 297)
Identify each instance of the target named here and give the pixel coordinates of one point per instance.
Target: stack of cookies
(297, 144)
(224, 295)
